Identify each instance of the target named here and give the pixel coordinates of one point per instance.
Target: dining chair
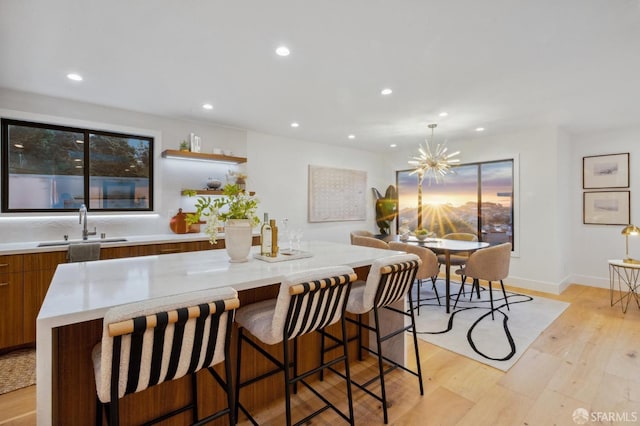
(458, 259)
(489, 264)
(307, 302)
(147, 343)
(429, 269)
(358, 240)
(361, 233)
(389, 280)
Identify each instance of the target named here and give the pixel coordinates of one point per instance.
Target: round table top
(445, 244)
(622, 263)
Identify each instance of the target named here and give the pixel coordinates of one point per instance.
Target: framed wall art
(606, 207)
(605, 171)
(336, 194)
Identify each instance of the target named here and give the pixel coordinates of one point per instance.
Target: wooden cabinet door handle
(3, 265)
(4, 284)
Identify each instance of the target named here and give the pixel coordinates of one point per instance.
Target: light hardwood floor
(588, 358)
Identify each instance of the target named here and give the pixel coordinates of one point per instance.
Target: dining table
(446, 247)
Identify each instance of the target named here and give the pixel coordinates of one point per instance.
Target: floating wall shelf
(200, 156)
(211, 191)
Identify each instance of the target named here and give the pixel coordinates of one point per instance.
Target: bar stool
(146, 343)
(306, 302)
(389, 280)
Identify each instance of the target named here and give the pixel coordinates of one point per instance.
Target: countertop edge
(29, 247)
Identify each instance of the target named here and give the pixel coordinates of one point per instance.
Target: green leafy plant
(234, 204)
(184, 146)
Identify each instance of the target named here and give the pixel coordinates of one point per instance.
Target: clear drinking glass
(288, 234)
(297, 236)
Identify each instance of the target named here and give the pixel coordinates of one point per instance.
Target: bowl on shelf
(214, 184)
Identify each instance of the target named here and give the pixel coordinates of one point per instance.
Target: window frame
(514, 211)
(4, 165)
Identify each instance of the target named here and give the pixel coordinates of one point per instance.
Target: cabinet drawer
(11, 263)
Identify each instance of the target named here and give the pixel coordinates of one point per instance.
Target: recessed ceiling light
(18, 145)
(74, 77)
(443, 114)
(207, 106)
(386, 92)
(79, 141)
(283, 51)
(294, 124)
(351, 136)
(77, 159)
(393, 145)
(479, 129)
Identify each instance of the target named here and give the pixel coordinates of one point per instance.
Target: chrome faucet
(85, 231)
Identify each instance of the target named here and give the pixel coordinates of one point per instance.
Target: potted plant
(236, 210)
(184, 146)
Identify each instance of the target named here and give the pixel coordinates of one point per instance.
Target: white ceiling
(498, 64)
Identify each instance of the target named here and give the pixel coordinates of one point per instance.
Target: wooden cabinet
(11, 300)
(25, 279)
(38, 272)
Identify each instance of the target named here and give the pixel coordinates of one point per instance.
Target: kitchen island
(70, 320)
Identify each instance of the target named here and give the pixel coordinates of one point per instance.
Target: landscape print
(605, 171)
(606, 207)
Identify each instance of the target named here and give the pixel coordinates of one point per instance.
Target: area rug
(469, 330)
(17, 370)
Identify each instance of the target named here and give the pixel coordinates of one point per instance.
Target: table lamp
(630, 230)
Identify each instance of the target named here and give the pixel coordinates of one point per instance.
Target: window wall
(47, 168)
(476, 198)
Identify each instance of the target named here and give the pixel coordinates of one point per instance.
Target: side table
(624, 276)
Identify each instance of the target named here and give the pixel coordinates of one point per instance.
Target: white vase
(237, 239)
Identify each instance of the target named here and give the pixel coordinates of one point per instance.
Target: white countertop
(85, 290)
(131, 240)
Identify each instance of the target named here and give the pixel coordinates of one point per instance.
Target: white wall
(278, 172)
(593, 245)
(540, 258)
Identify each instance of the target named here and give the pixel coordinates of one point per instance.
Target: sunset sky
(459, 188)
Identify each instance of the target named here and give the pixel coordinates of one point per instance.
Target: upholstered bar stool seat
(147, 343)
(306, 302)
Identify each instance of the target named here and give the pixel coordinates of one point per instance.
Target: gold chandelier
(434, 164)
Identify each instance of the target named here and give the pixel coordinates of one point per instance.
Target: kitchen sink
(67, 242)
